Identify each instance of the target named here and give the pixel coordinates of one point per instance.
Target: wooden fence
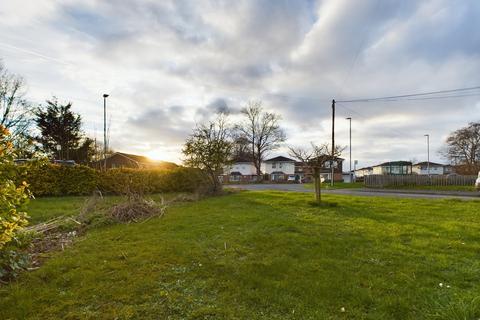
(382, 181)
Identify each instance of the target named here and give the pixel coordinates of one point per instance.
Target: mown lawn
(359, 185)
(437, 188)
(43, 209)
(267, 255)
(337, 185)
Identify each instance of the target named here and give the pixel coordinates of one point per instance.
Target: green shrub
(13, 197)
(14, 257)
(47, 179)
(143, 181)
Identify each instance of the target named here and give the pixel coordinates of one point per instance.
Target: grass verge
(267, 255)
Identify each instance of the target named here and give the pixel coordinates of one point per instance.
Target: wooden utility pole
(105, 147)
(333, 143)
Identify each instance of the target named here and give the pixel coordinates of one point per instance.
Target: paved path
(360, 192)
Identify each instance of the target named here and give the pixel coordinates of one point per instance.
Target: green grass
(267, 255)
(359, 185)
(436, 188)
(337, 185)
(43, 209)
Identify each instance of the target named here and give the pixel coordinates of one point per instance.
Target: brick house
(305, 173)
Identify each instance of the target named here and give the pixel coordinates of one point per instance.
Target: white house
(240, 171)
(362, 172)
(393, 168)
(431, 168)
(279, 168)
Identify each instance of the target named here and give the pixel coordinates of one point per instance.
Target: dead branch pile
(137, 208)
(50, 225)
(49, 242)
(90, 205)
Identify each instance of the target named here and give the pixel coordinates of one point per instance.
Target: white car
(477, 182)
(291, 178)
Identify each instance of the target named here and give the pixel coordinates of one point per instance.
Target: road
(359, 192)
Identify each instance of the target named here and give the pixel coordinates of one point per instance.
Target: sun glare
(156, 155)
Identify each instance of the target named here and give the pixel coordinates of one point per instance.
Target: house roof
(394, 163)
(364, 168)
(133, 157)
(432, 164)
(280, 159)
(338, 159)
(242, 158)
(140, 159)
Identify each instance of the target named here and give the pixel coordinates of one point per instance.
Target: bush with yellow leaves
(12, 199)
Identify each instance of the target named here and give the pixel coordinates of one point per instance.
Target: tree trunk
(318, 185)
(258, 167)
(217, 187)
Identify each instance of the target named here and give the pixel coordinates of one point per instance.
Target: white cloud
(169, 64)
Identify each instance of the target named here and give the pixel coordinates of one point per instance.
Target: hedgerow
(46, 179)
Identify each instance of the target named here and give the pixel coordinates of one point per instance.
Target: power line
(392, 98)
(398, 132)
(439, 97)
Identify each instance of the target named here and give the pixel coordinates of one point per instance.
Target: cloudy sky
(170, 64)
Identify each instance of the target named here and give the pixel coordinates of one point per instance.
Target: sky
(169, 65)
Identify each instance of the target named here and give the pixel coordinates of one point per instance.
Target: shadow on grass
(323, 204)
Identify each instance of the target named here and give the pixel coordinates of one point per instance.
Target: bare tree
(463, 146)
(15, 110)
(209, 148)
(262, 131)
(241, 149)
(315, 159)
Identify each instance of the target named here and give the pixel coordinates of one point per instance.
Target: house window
(274, 165)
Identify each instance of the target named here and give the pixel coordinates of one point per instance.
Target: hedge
(47, 179)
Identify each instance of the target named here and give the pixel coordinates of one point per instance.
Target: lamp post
(350, 147)
(428, 153)
(105, 96)
(59, 149)
(355, 170)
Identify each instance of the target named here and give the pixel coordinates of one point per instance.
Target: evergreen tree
(59, 126)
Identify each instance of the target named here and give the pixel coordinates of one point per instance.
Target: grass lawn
(267, 255)
(359, 185)
(337, 185)
(437, 188)
(43, 209)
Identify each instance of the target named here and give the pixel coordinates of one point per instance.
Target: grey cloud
(170, 64)
(159, 124)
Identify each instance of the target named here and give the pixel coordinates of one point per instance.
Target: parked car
(477, 182)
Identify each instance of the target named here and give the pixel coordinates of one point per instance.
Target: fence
(382, 181)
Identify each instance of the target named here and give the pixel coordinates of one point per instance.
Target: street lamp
(105, 96)
(59, 148)
(350, 146)
(428, 153)
(355, 170)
